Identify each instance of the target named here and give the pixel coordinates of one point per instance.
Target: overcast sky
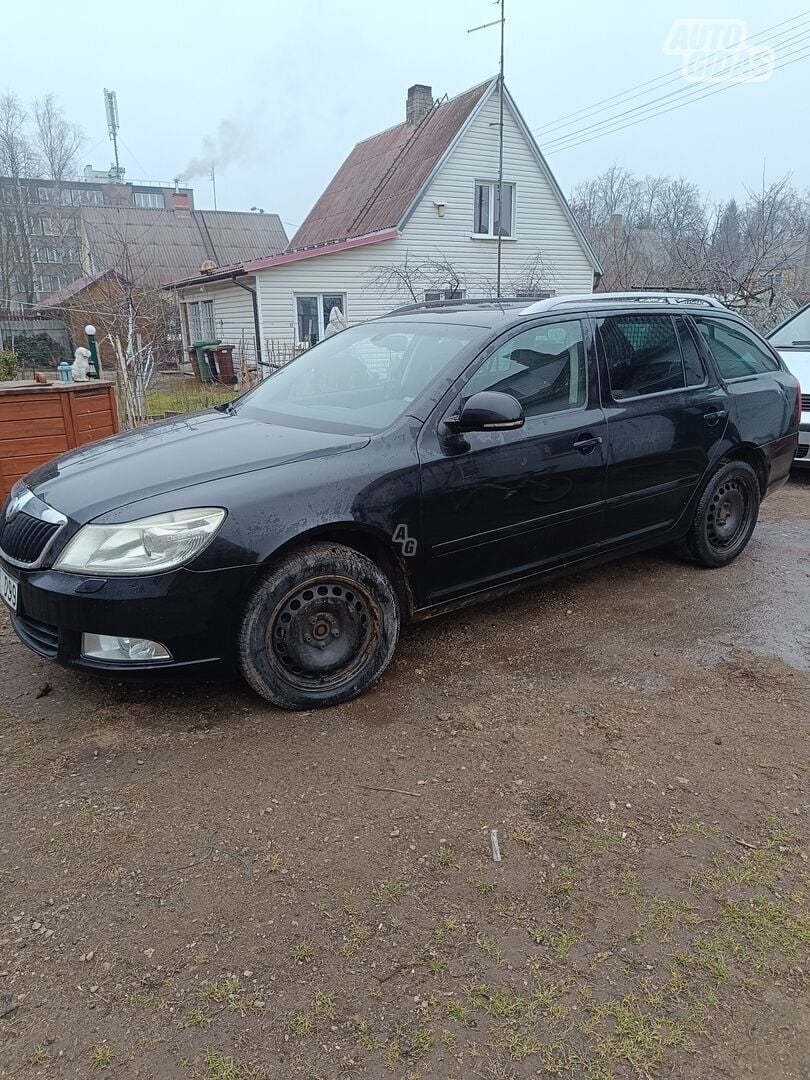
(297, 84)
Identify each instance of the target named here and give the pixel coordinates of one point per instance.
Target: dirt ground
(194, 885)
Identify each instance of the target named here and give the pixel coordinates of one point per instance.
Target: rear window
(794, 334)
(644, 356)
(736, 350)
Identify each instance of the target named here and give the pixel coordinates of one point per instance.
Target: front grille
(802, 450)
(24, 538)
(805, 402)
(40, 637)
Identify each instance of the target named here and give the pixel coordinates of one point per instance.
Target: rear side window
(644, 356)
(692, 364)
(737, 352)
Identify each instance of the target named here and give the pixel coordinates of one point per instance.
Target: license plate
(8, 589)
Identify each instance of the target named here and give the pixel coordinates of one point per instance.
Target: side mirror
(488, 410)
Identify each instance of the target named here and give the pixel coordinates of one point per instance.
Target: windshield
(362, 379)
(795, 331)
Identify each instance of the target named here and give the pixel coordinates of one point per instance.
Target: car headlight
(141, 547)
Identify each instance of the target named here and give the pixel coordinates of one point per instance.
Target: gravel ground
(194, 885)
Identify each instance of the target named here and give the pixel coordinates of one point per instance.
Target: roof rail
(639, 296)
(477, 301)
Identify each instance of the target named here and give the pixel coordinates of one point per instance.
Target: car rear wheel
(320, 628)
(725, 516)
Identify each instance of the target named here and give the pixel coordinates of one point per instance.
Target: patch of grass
(458, 1012)
(323, 1006)
(393, 1054)
(562, 882)
(273, 862)
(365, 1035)
(198, 1018)
(358, 935)
(523, 836)
(488, 946)
(221, 991)
(422, 1042)
(38, 1055)
(101, 1056)
(564, 942)
(389, 890)
(521, 1045)
(302, 1024)
(482, 886)
(660, 915)
(448, 859)
(187, 395)
(436, 964)
(221, 1067)
(303, 952)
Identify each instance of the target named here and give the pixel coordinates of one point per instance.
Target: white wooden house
(410, 215)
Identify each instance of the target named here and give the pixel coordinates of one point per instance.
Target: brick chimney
(420, 102)
(180, 200)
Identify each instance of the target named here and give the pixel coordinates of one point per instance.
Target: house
(40, 227)
(128, 253)
(412, 214)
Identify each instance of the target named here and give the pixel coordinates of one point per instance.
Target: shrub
(37, 350)
(9, 364)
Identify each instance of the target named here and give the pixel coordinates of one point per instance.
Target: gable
(380, 178)
(544, 221)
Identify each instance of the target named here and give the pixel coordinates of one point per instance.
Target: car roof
(489, 312)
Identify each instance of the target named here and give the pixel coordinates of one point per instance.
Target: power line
(687, 92)
(555, 149)
(668, 77)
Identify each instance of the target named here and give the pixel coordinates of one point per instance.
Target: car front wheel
(725, 516)
(320, 628)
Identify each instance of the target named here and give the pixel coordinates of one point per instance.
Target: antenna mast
(213, 178)
(111, 107)
(497, 22)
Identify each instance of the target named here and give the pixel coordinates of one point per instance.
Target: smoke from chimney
(232, 145)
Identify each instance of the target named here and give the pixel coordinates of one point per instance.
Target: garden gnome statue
(81, 364)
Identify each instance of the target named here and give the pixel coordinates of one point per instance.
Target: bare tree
(57, 141)
(18, 161)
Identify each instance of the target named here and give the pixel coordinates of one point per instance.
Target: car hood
(171, 455)
(798, 364)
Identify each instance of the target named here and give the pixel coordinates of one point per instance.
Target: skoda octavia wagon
(403, 467)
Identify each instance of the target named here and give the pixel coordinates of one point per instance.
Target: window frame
(586, 331)
(493, 204)
(597, 320)
(194, 309)
(323, 322)
(149, 196)
(740, 326)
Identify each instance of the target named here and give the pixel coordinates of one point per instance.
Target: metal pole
(500, 156)
(214, 184)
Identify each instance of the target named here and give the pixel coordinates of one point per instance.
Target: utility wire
(668, 77)
(689, 91)
(563, 145)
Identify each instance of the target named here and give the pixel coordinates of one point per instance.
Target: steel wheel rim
(322, 632)
(728, 515)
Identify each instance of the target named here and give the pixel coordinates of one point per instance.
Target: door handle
(587, 443)
(711, 416)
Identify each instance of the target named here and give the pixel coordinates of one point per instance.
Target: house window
(150, 200)
(201, 321)
(312, 313)
(46, 284)
(82, 197)
(444, 294)
(43, 254)
(485, 214)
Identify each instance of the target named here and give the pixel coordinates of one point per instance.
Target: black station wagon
(408, 465)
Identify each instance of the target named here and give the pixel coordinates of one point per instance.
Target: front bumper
(802, 458)
(195, 615)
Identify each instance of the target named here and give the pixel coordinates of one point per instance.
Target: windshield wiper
(226, 407)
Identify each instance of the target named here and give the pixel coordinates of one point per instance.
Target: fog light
(104, 647)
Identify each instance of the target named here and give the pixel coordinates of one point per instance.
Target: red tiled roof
(380, 178)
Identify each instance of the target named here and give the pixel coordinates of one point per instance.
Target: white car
(792, 341)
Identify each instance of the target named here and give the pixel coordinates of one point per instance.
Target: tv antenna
(498, 22)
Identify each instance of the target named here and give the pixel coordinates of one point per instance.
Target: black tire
(725, 516)
(319, 629)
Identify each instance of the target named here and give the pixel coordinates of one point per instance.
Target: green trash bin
(207, 369)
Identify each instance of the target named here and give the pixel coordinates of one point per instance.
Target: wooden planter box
(38, 423)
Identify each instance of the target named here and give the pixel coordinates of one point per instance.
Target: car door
(501, 505)
(666, 412)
